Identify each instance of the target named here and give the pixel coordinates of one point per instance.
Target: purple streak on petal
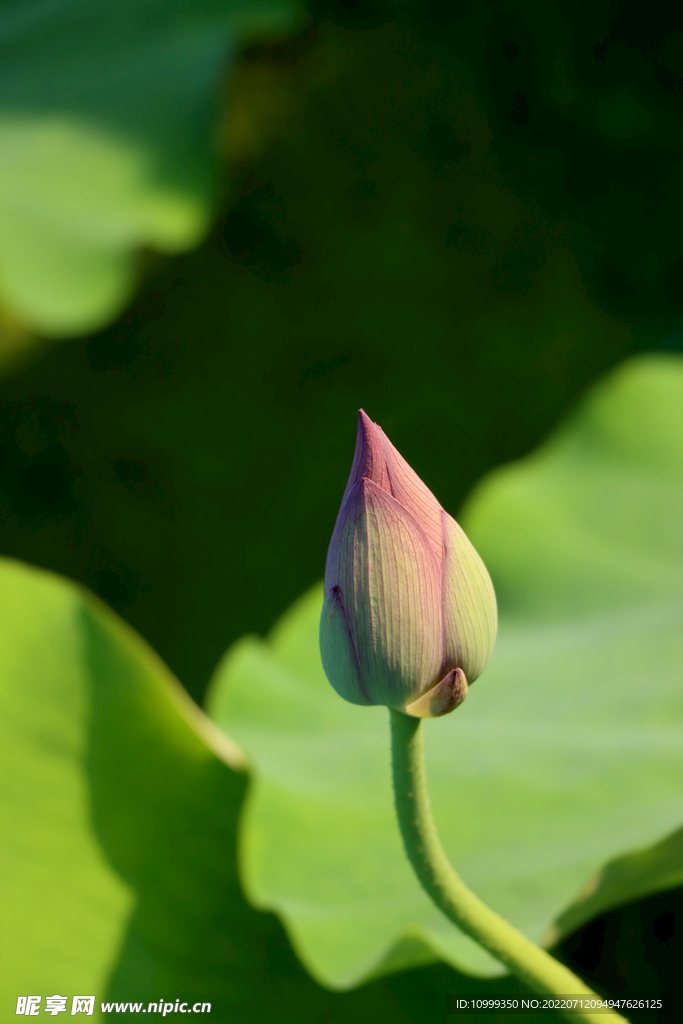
(338, 650)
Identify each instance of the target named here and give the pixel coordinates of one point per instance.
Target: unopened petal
(338, 652)
(407, 487)
(390, 584)
(368, 462)
(443, 698)
(469, 604)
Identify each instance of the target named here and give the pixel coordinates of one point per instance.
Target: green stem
(533, 965)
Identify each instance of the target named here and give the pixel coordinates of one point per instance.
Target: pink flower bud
(410, 613)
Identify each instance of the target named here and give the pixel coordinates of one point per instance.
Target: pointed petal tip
(443, 698)
(361, 487)
(367, 428)
(368, 458)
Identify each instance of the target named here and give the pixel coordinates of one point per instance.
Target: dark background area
(456, 216)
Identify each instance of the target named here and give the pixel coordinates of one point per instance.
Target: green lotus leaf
(113, 852)
(567, 753)
(106, 129)
(118, 818)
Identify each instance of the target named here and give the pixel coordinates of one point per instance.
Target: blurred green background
(456, 216)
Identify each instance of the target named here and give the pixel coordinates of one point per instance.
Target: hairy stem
(533, 965)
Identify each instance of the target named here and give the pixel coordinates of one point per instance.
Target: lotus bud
(409, 617)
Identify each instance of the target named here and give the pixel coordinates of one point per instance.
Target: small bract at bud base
(409, 617)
